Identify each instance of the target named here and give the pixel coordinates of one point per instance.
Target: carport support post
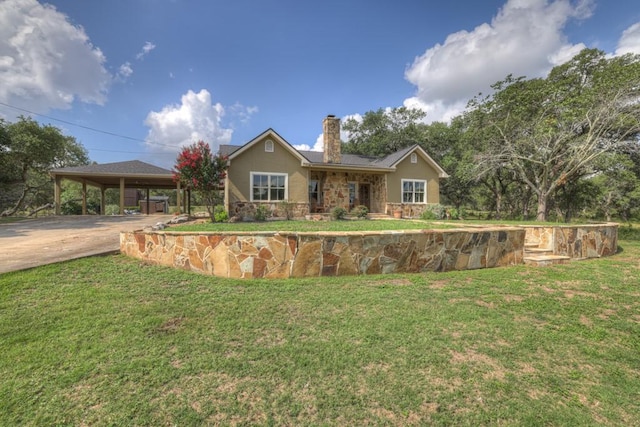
(84, 197)
(56, 194)
(102, 200)
(178, 201)
(147, 201)
(122, 196)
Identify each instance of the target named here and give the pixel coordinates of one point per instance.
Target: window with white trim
(414, 158)
(414, 191)
(268, 146)
(268, 187)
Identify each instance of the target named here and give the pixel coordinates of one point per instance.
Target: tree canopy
(550, 132)
(383, 132)
(28, 150)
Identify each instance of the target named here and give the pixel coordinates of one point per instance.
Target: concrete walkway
(33, 242)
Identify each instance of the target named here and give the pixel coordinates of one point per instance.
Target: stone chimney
(331, 138)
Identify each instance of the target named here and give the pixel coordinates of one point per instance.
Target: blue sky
(159, 74)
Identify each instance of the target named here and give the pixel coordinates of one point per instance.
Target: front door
(364, 191)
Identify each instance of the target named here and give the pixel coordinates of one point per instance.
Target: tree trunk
(43, 207)
(498, 205)
(18, 205)
(542, 207)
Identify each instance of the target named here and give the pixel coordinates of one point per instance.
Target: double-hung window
(414, 191)
(268, 187)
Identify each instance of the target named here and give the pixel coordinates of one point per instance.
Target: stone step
(545, 260)
(538, 251)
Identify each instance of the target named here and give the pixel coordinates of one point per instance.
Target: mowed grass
(313, 226)
(112, 341)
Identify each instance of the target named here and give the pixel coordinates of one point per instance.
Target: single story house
(269, 171)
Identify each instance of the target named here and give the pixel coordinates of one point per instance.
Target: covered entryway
(130, 174)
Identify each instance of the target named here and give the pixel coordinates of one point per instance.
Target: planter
(397, 214)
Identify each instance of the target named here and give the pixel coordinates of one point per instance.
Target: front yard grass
(112, 341)
(312, 226)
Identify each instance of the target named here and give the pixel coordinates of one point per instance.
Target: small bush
(338, 213)
(112, 210)
(629, 232)
(219, 214)
(262, 213)
(71, 207)
(287, 209)
(360, 211)
(434, 212)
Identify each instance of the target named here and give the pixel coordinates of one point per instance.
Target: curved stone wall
(575, 241)
(278, 255)
(282, 255)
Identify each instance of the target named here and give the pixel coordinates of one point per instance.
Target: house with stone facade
(268, 170)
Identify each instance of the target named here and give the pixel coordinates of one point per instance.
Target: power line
(90, 128)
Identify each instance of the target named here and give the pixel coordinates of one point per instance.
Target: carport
(130, 174)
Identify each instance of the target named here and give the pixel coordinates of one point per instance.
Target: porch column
(178, 198)
(56, 194)
(84, 197)
(148, 203)
(122, 196)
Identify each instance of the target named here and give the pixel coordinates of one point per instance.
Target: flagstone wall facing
(281, 255)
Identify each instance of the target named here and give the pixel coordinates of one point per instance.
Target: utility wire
(93, 130)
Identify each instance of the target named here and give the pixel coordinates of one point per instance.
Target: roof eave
(349, 167)
(110, 174)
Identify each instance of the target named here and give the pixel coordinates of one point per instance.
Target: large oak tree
(551, 131)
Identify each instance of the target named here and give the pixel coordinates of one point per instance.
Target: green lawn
(111, 341)
(311, 226)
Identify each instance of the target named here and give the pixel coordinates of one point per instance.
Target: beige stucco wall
(407, 170)
(256, 159)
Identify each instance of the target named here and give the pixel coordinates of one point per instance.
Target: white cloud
(525, 38)
(630, 40)
(125, 70)
(241, 113)
(194, 119)
(148, 47)
(45, 61)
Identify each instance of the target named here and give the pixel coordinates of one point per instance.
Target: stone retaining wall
(575, 241)
(281, 255)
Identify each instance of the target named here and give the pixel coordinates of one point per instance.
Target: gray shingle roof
(132, 167)
(392, 158)
(316, 157)
(227, 150)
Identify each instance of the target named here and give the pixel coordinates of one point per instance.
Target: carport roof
(137, 174)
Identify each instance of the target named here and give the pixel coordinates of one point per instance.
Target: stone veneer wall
(247, 210)
(335, 189)
(575, 241)
(281, 255)
(409, 210)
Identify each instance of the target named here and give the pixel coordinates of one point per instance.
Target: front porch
(330, 189)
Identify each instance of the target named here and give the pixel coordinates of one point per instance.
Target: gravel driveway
(34, 242)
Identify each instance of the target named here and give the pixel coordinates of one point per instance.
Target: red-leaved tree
(198, 169)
